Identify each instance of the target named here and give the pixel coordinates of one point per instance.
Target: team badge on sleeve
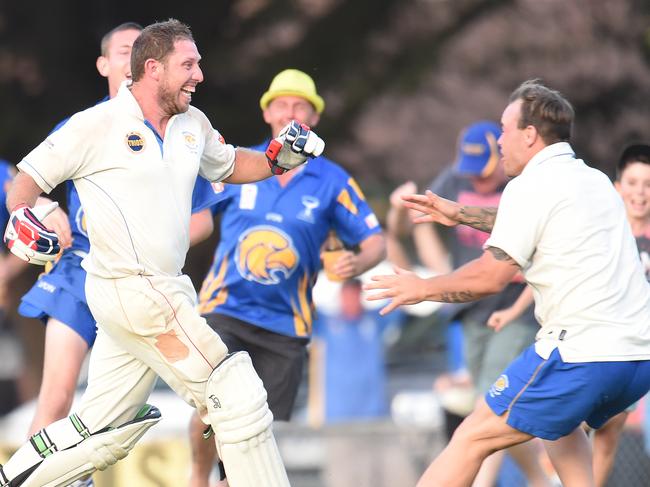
(371, 221)
(135, 142)
(500, 385)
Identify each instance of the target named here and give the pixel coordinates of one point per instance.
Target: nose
(198, 75)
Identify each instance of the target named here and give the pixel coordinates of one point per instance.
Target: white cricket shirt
(566, 226)
(136, 191)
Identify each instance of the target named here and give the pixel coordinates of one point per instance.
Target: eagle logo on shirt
(135, 142)
(266, 255)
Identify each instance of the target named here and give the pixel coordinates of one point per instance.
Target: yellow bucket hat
(292, 82)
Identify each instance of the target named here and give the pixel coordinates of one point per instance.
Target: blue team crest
(500, 385)
(310, 203)
(135, 141)
(266, 255)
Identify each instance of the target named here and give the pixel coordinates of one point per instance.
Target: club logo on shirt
(310, 203)
(135, 142)
(266, 255)
(500, 385)
(190, 140)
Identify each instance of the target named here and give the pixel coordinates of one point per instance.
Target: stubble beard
(169, 101)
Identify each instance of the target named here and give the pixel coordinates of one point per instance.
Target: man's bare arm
(481, 218)
(478, 278)
(23, 190)
(436, 209)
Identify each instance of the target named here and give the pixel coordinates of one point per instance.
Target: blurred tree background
(400, 77)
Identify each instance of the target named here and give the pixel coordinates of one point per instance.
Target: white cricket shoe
(83, 483)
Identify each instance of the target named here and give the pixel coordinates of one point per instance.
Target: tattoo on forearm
(458, 296)
(478, 217)
(501, 255)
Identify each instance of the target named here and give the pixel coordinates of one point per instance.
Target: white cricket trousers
(147, 326)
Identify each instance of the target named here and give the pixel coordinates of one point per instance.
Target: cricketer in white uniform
(134, 160)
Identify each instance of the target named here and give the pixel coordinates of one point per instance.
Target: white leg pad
(241, 420)
(66, 463)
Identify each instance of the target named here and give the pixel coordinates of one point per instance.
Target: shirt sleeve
(63, 154)
(218, 159)
(354, 220)
(519, 223)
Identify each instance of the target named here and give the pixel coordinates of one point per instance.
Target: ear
(153, 68)
(102, 66)
(617, 186)
(530, 135)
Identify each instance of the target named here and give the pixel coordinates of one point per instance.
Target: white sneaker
(83, 483)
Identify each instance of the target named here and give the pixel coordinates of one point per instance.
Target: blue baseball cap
(478, 151)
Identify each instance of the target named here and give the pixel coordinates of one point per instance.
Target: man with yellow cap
(257, 295)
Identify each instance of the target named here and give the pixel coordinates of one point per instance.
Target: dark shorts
(60, 294)
(278, 359)
(550, 398)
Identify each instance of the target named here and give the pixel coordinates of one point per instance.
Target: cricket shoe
(83, 483)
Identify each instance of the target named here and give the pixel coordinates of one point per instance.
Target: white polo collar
(559, 149)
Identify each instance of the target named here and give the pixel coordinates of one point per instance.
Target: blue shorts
(60, 294)
(550, 398)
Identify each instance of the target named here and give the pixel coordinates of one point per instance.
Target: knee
(472, 441)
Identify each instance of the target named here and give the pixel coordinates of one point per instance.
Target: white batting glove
(292, 147)
(26, 236)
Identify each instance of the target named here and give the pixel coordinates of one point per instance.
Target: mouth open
(187, 91)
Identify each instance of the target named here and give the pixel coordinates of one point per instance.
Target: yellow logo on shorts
(135, 141)
(266, 255)
(500, 385)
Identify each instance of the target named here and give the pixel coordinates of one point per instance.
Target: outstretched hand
(434, 208)
(403, 287)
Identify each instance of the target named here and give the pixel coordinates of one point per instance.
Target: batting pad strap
(77, 460)
(58, 436)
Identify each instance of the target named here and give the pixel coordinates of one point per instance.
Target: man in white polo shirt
(562, 224)
(134, 160)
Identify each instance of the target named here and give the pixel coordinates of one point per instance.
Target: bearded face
(181, 75)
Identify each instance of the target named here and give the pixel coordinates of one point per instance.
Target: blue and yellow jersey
(202, 197)
(7, 172)
(269, 255)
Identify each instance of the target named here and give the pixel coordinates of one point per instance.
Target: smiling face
(180, 76)
(634, 188)
(115, 63)
(282, 109)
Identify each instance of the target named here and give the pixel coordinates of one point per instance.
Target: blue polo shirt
(269, 254)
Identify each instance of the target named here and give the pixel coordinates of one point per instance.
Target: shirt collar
(128, 101)
(559, 149)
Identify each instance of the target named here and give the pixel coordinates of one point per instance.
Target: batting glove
(292, 147)
(27, 238)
